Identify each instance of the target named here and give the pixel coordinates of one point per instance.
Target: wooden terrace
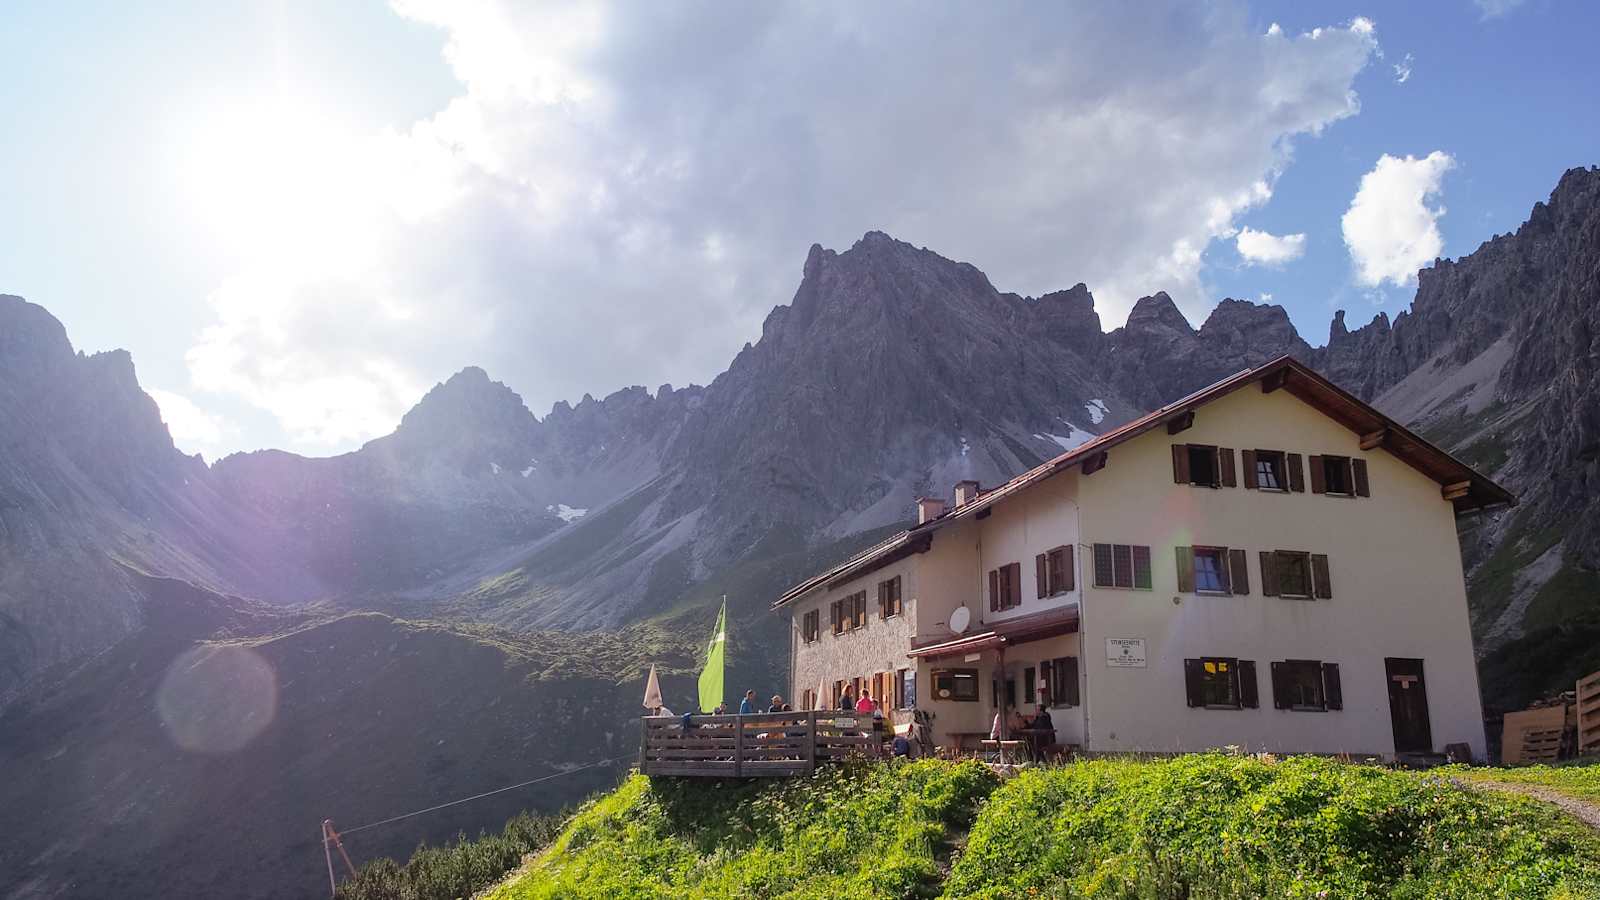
(759, 744)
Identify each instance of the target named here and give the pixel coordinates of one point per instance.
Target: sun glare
(281, 183)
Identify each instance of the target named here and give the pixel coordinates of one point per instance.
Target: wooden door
(1408, 705)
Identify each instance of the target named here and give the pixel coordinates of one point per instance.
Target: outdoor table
(961, 738)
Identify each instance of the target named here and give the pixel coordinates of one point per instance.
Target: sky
(298, 216)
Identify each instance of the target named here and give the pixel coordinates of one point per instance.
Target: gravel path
(1586, 812)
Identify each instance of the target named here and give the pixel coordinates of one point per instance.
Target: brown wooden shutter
(1269, 573)
(1322, 586)
(1358, 473)
(1067, 674)
(1193, 675)
(1297, 474)
(1319, 476)
(1247, 458)
(1103, 576)
(883, 599)
(1015, 587)
(1238, 572)
(1280, 686)
(1141, 567)
(1041, 574)
(1180, 463)
(1225, 462)
(1332, 690)
(1249, 691)
(1185, 570)
(994, 590)
(1069, 577)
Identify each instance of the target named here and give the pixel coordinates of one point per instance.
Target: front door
(1408, 706)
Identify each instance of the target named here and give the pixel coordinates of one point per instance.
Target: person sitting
(777, 704)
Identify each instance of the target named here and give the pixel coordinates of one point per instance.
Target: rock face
(893, 372)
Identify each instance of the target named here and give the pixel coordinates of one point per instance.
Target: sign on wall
(1125, 653)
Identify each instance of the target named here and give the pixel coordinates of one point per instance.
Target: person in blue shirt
(748, 704)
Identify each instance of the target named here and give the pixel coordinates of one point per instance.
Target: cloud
(1402, 70)
(1390, 229)
(611, 173)
(192, 428)
(1494, 9)
(1262, 248)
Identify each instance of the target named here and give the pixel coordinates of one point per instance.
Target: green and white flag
(711, 676)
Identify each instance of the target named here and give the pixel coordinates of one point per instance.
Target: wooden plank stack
(1589, 714)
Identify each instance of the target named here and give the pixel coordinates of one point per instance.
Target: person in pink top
(866, 703)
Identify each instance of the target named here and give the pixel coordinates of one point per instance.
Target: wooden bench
(1005, 751)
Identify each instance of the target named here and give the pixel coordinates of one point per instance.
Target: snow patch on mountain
(567, 513)
(1097, 411)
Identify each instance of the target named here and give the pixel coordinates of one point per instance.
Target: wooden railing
(761, 744)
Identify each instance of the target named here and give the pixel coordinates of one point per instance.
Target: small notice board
(1125, 653)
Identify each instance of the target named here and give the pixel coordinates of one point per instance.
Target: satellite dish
(960, 619)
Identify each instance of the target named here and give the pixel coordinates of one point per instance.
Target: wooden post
(811, 742)
(327, 854)
(644, 746)
(738, 746)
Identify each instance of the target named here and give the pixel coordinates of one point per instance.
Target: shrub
(454, 870)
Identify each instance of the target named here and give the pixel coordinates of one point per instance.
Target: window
(1203, 465)
(1270, 470)
(811, 625)
(889, 603)
(1122, 565)
(1053, 572)
(1220, 682)
(900, 691)
(908, 688)
(1211, 570)
(956, 684)
(850, 613)
(1003, 692)
(1005, 586)
(808, 700)
(1030, 686)
(1306, 685)
(1336, 477)
(1058, 681)
(1294, 574)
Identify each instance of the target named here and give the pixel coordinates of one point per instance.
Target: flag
(652, 691)
(711, 675)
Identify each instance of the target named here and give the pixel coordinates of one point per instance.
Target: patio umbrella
(652, 691)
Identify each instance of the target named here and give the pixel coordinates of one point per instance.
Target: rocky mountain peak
(33, 343)
(1157, 313)
(468, 414)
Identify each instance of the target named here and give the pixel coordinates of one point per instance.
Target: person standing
(865, 705)
(847, 698)
(748, 704)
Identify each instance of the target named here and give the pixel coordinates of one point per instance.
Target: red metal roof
(1021, 630)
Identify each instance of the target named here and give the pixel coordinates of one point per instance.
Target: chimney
(929, 508)
(966, 492)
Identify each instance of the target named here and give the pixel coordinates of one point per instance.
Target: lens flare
(217, 699)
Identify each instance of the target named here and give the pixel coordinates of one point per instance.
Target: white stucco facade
(1393, 559)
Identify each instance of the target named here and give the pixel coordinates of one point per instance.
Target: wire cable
(348, 831)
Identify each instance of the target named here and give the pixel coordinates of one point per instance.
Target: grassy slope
(1579, 781)
(1207, 825)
